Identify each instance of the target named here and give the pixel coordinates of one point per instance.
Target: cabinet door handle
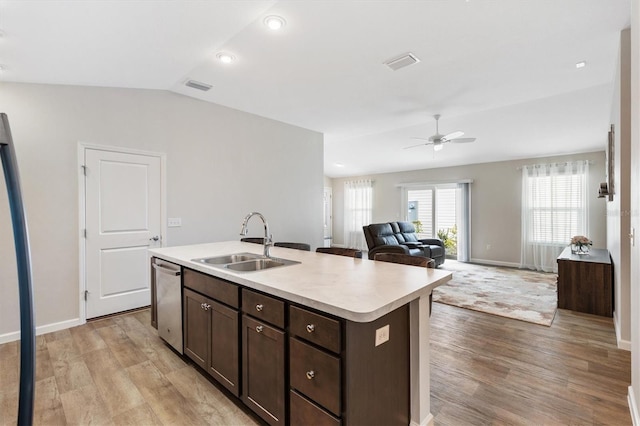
(259, 307)
(311, 328)
(206, 306)
(202, 306)
(259, 328)
(311, 374)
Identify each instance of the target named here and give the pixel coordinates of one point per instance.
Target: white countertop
(359, 290)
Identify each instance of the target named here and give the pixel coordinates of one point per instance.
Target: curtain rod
(565, 163)
(432, 182)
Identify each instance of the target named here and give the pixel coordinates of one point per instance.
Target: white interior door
(122, 219)
(328, 216)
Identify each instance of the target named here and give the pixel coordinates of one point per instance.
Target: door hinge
(86, 294)
(84, 232)
(84, 169)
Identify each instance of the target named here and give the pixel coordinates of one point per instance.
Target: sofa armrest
(432, 242)
(388, 249)
(412, 244)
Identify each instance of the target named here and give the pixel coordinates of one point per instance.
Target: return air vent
(198, 85)
(402, 61)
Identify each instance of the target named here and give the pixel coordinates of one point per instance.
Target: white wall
(634, 389)
(618, 217)
(495, 202)
(221, 164)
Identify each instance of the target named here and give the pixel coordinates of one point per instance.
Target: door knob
(155, 238)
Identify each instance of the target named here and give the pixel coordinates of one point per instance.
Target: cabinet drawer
(263, 307)
(212, 287)
(318, 329)
(305, 412)
(315, 374)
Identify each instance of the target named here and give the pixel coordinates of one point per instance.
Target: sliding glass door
(440, 211)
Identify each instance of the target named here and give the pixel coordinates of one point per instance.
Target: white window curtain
(554, 208)
(358, 207)
(464, 221)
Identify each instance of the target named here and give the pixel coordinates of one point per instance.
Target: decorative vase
(580, 248)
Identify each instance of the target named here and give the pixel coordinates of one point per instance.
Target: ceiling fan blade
(415, 146)
(422, 139)
(453, 135)
(462, 140)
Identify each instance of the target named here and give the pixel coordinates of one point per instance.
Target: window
(554, 208)
(557, 208)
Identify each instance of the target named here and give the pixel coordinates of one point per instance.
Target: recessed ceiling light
(225, 58)
(581, 64)
(274, 22)
(338, 164)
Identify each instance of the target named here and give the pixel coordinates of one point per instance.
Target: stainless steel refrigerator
(23, 263)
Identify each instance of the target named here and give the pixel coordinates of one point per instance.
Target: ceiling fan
(439, 140)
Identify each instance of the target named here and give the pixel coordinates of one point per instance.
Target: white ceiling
(502, 71)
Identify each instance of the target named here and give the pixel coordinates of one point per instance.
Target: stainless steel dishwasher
(169, 302)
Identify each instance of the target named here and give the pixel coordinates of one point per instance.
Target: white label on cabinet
(382, 335)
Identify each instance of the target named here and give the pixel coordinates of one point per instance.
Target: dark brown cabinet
(296, 365)
(211, 336)
(342, 372)
(585, 282)
(263, 357)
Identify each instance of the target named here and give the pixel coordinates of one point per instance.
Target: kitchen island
(328, 340)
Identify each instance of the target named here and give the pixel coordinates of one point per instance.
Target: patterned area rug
(509, 292)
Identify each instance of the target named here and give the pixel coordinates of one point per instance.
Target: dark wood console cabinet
(585, 282)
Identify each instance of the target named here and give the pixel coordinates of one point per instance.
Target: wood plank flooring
(114, 371)
(485, 370)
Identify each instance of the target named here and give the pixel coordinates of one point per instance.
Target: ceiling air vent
(402, 61)
(198, 85)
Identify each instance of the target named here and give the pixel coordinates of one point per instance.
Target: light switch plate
(382, 335)
(174, 222)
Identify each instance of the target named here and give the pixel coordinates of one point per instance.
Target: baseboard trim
(633, 408)
(494, 263)
(43, 329)
(622, 344)
(428, 421)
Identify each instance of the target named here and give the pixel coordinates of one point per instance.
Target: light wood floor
(485, 370)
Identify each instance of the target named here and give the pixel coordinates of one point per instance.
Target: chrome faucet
(268, 238)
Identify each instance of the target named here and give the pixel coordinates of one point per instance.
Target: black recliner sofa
(401, 237)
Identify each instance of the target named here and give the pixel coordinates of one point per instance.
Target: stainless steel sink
(254, 265)
(229, 258)
(244, 262)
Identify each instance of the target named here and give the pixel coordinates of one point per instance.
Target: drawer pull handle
(259, 328)
(311, 328)
(311, 374)
(259, 307)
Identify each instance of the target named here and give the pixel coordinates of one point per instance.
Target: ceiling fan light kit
(439, 140)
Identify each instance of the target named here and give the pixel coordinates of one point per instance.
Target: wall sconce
(603, 191)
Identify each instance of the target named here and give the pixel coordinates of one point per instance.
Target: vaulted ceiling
(502, 71)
